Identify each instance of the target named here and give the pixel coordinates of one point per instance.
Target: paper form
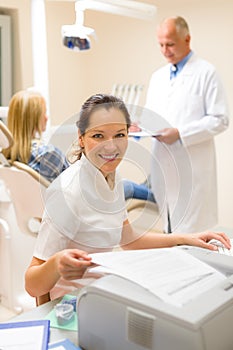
(24, 338)
(170, 273)
(24, 335)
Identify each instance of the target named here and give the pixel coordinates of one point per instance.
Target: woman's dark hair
(100, 101)
(92, 104)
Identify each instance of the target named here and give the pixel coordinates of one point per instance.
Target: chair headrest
(6, 138)
(26, 168)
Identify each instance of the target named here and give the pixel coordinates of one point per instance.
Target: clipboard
(144, 133)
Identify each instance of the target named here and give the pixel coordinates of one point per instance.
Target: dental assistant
(85, 208)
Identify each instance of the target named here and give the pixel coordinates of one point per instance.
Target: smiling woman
(104, 146)
(103, 132)
(85, 207)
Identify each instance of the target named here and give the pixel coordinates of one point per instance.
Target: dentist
(188, 94)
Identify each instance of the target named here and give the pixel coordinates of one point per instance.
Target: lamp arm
(127, 8)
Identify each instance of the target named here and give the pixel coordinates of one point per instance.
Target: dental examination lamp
(76, 36)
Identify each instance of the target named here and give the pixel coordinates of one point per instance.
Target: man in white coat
(189, 97)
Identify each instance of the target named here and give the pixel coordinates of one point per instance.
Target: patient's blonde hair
(26, 109)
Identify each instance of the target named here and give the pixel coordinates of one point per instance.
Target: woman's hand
(202, 239)
(72, 263)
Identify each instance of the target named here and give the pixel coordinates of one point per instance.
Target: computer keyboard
(222, 249)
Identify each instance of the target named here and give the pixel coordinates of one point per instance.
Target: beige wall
(19, 10)
(117, 55)
(125, 51)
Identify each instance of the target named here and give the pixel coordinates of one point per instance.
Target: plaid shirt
(48, 160)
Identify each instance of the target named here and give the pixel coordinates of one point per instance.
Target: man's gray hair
(181, 25)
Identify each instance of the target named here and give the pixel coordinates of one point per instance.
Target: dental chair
(21, 206)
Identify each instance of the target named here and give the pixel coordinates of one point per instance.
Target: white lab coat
(184, 174)
(82, 212)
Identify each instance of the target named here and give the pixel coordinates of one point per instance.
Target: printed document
(170, 273)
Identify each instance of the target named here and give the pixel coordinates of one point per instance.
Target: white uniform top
(81, 212)
(184, 174)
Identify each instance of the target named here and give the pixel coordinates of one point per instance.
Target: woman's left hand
(203, 239)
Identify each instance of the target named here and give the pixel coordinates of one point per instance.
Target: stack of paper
(170, 273)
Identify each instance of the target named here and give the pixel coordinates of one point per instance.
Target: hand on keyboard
(221, 248)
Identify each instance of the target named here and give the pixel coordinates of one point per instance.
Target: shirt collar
(180, 65)
(110, 180)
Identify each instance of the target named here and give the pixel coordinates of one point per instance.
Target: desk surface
(39, 313)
